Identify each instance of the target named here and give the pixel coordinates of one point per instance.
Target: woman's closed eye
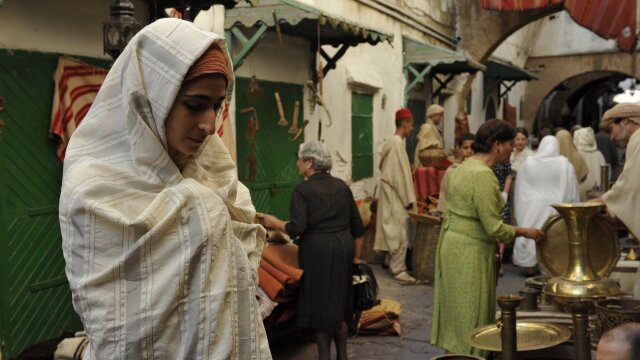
(201, 107)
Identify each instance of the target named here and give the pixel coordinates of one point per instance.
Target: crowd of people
(162, 242)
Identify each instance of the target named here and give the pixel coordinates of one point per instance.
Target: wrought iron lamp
(117, 31)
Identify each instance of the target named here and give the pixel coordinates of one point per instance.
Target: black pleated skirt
(325, 297)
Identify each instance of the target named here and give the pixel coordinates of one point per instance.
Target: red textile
(609, 19)
(76, 86)
(426, 181)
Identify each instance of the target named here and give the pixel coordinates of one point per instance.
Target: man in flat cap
(623, 200)
(395, 196)
(430, 147)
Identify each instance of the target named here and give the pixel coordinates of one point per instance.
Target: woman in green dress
(465, 286)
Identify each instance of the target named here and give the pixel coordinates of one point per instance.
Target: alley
(413, 344)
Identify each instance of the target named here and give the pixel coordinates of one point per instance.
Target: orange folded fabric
(284, 257)
(280, 276)
(269, 284)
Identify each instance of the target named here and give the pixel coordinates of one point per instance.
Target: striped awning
(609, 19)
(301, 20)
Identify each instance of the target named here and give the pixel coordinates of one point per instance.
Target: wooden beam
(419, 77)
(331, 61)
(443, 84)
(247, 44)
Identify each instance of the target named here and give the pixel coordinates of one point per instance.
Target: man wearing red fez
(396, 195)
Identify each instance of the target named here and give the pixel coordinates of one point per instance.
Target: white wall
(71, 27)
(563, 36)
(382, 65)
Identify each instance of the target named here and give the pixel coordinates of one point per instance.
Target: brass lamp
(120, 28)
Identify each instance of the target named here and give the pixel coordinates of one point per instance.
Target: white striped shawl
(162, 262)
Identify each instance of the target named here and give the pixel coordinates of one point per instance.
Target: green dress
(465, 283)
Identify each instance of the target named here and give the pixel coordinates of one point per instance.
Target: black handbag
(365, 288)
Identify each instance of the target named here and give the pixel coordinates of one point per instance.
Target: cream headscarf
(625, 110)
(162, 263)
(569, 150)
(585, 141)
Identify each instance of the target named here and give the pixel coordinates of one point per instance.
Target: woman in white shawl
(545, 178)
(585, 141)
(158, 236)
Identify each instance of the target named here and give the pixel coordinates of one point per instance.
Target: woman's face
(466, 149)
(520, 142)
(193, 114)
(505, 150)
(304, 166)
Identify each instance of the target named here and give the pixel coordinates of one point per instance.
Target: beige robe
(623, 200)
(428, 138)
(395, 194)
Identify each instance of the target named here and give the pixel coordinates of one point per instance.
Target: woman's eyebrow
(198, 96)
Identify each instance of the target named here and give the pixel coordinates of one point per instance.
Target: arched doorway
(581, 99)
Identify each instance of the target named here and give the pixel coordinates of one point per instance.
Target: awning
(301, 20)
(442, 61)
(609, 19)
(422, 59)
(504, 71)
(502, 76)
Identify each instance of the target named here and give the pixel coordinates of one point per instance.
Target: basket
(613, 312)
(425, 241)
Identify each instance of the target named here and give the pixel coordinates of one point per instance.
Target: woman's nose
(208, 122)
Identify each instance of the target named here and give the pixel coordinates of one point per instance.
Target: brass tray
(424, 218)
(553, 251)
(531, 336)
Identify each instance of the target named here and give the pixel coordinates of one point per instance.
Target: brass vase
(579, 279)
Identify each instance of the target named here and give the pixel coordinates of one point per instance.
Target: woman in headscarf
(158, 236)
(545, 178)
(568, 149)
(585, 140)
(465, 284)
(326, 222)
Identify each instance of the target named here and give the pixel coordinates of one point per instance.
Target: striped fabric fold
(76, 86)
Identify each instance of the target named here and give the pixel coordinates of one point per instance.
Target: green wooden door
(275, 164)
(35, 297)
(361, 136)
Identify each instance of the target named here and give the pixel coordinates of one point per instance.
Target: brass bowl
(553, 252)
(530, 335)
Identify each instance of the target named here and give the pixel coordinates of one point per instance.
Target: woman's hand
(271, 222)
(534, 234)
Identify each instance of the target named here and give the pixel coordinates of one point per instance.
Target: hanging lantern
(117, 31)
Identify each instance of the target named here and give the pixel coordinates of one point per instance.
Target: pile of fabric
(279, 276)
(427, 181)
(382, 319)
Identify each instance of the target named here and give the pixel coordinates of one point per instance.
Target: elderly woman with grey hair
(326, 221)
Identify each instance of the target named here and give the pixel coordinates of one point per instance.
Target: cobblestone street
(417, 303)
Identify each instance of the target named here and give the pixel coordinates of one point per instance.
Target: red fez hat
(403, 114)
